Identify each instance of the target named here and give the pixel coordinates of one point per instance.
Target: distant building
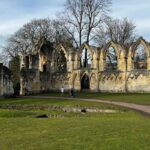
(112, 68)
(6, 85)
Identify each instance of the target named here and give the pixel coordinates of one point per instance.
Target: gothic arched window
(111, 59)
(140, 58)
(85, 59)
(61, 61)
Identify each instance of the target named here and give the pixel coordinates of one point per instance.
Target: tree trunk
(85, 59)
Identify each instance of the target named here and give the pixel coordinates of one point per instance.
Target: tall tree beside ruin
(83, 17)
(121, 31)
(28, 37)
(75, 20)
(118, 31)
(60, 35)
(96, 12)
(32, 35)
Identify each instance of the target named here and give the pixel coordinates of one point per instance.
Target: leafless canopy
(83, 17)
(118, 31)
(32, 35)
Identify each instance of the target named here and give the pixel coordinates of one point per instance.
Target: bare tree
(60, 35)
(101, 37)
(32, 35)
(121, 31)
(84, 16)
(28, 37)
(96, 13)
(4, 59)
(75, 20)
(36, 32)
(118, 31)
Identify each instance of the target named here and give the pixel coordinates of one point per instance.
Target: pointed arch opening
(27, 62)
(44, 68)
(43, 58)
(111, 62)
(140, 57)
(85, 59)
(60, 61)
(85, 82)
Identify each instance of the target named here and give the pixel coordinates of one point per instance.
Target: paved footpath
(142, 108)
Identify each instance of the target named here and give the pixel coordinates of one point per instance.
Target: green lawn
(56, 102)
(21, 130)
(138, 98)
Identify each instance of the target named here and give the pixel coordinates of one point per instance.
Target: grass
(127, 131)
(56, 102)
(137, 98)
(123, 130)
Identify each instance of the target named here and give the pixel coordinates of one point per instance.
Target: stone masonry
(6, 85)
(52, 66)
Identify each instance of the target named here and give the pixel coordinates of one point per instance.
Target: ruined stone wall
(138, 81)
(6, 85)
(134, 81)
(112, 82)
(124, 78)
(59, 80)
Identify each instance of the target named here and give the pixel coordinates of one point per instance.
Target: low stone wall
(133, 81)
(112, 82)
(78, 109)
(138, 81)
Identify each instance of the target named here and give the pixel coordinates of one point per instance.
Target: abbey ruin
(6, 85)
(112, 68)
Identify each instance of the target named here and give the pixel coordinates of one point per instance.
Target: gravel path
(142, 108)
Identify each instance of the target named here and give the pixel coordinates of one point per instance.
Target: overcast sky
(15, 13)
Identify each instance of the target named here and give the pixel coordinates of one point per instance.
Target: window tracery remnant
(61, 61)
(140, 58)
(111, 59)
